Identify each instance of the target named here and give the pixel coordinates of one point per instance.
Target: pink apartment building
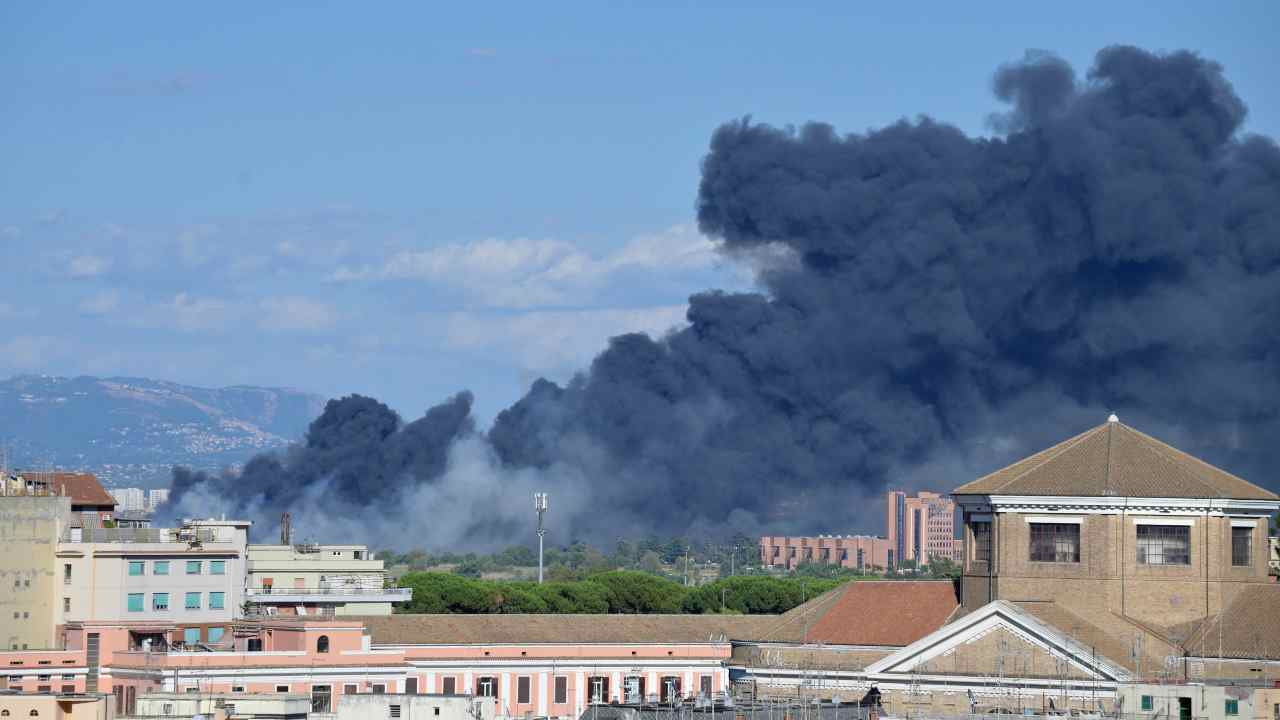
(546, 665)
(859, 552)
(921, 527)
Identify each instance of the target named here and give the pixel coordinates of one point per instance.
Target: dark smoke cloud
(935, 305)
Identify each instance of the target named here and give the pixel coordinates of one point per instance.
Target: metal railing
(404, 593)
(139, 535)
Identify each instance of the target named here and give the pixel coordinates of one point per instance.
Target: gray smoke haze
(935, 305)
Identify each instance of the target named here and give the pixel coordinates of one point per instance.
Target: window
(135, 567)
(160, 601)
(393, 711)
(350, 689)
(670, 689)
(68, 688)
(487, 687)
(411, 686)
(193, 567)
(193, 601)
(135, 602)
(1164, 545)
(160, 567)
(216, 633)
(234, 688)
(217, 567)
(1055, 542)
(450, 686)
(1147, 702)
(561, 690)
(1233, 707)
(66, 573)
(322, 644)
(1241, 546)
(379, 689)
(704, 686)
(282, 688)
(66, 604)
(598, 689)
(981, 541)
(522, 689)
(253, 645)
(217, 600)
(191, 636)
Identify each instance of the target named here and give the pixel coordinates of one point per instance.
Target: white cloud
(192, 314)
(101, 303)
(522, 272)
(85, 266)
(555, 342)
(295, 313)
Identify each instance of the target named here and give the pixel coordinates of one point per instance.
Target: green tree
(635, 592)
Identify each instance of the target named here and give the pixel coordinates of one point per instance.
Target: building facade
(191, 577)
(310, 579)
(130, 498)
(30, 526)
(857, 552)
(1093, 571)
(920, 527)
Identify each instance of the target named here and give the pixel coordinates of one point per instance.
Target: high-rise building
(920, 528)
(130, 498)
(156, 498)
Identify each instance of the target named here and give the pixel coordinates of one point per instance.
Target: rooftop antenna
(540, 505)
(285, 530)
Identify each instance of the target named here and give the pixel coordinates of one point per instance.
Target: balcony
(283, 595)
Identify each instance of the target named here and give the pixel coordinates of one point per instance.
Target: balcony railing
(401, 593)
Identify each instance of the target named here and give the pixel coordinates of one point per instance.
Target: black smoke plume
(933, 305)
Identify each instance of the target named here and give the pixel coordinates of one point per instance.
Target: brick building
(1093, 570)
(920, 527)
(858, 552)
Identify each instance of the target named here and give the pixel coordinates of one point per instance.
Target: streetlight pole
(540, 505)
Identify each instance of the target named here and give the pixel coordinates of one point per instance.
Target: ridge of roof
(1124, 462)
(1041, 457)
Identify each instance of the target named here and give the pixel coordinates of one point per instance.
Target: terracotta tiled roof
(869, 612)
(1115, 459)
(82, 488)
(449, 629)
(1247, 628)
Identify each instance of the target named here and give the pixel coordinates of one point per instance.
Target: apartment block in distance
(920, 528)
(858, 552)
(311, 579)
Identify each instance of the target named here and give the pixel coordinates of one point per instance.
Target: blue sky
(410, 199)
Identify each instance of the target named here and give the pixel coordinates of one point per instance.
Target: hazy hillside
(131, 430)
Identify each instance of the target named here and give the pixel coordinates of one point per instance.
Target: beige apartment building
(192, 577)
(310, 579)
(53, 706)
(30, 526)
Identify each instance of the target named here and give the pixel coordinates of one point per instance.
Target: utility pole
(540, 505)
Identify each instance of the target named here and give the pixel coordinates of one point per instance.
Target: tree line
(613, 591)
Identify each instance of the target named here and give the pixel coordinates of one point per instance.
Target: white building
(416, 707)
(309, 579)
(130, 498)
(192, 577)
(157, 497)
(250, 706)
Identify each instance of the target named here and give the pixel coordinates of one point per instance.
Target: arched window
(34, 713)
(322, 645)
(4, 713)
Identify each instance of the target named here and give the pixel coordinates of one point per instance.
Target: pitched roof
(1115, 459)
(82, 488)
(1247, 628)
(456, 629)
(1001, 613)
(869, 612)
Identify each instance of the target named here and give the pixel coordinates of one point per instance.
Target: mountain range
(131, 431)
